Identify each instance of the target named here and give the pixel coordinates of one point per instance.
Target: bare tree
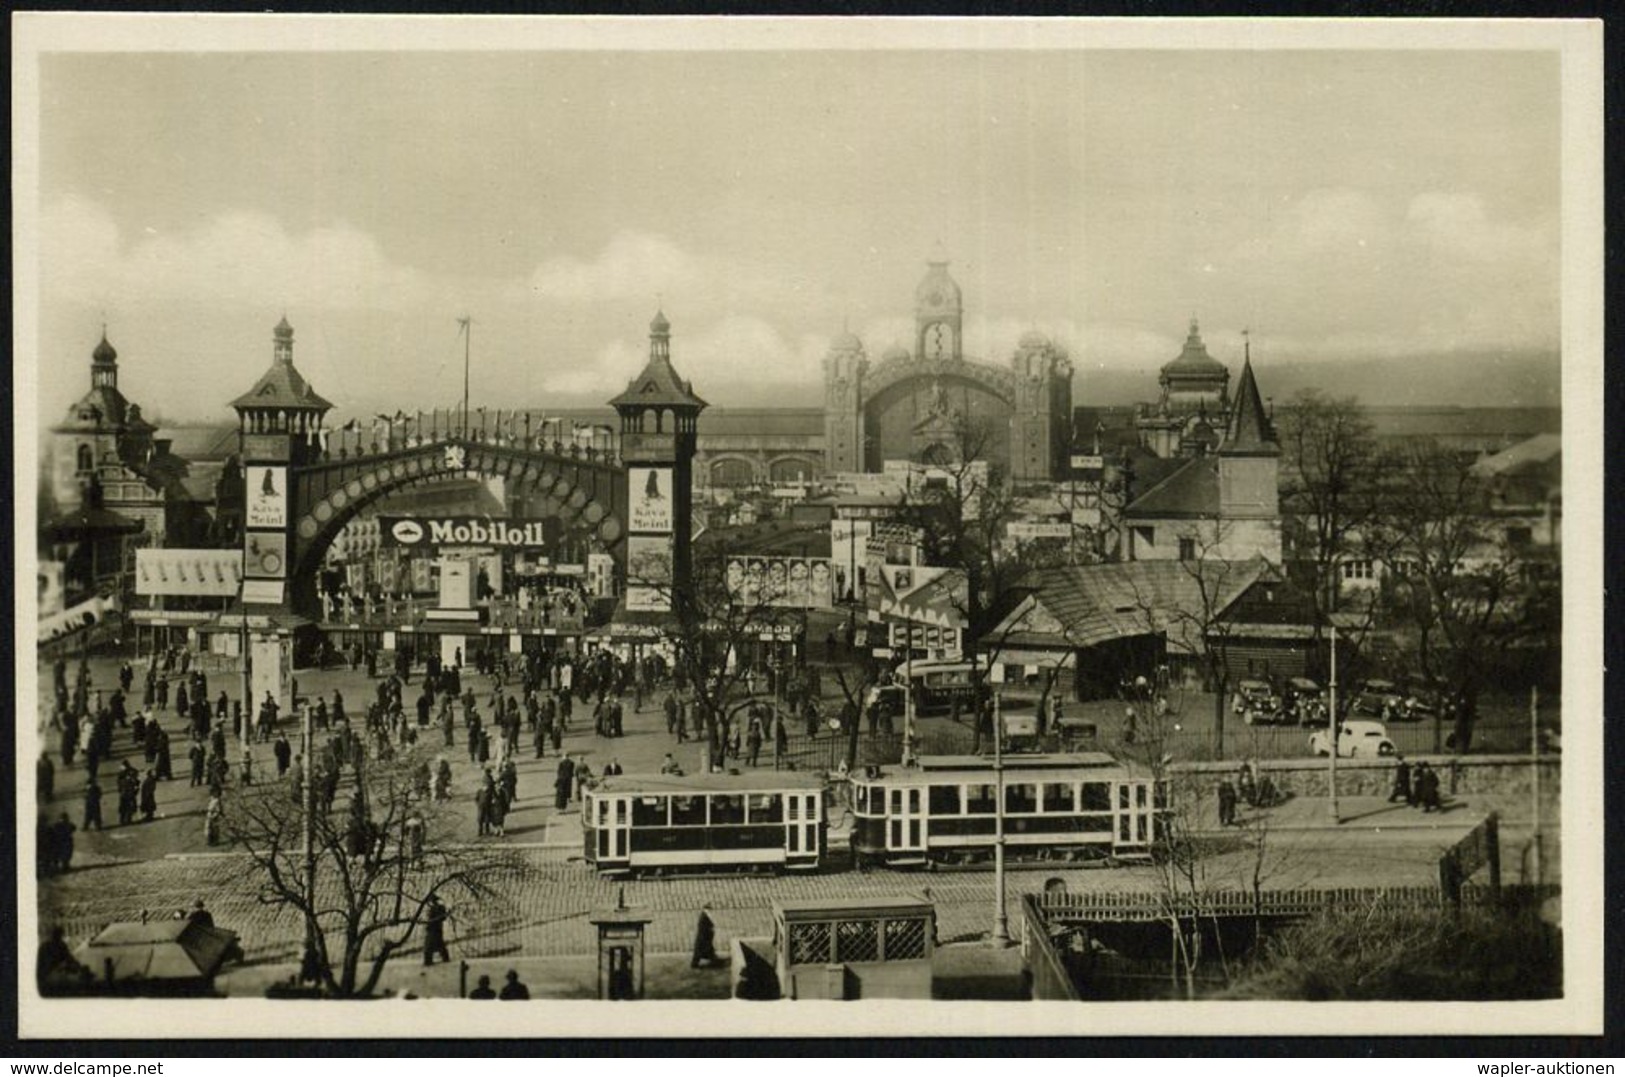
(377, 860)
(1451, 579)
(719, 621)
(1328, 493)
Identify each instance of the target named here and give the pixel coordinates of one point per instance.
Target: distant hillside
(1472, 381)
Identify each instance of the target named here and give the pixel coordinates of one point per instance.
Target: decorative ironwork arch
(586, 487)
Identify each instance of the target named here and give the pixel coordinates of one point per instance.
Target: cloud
(631, 265)
(1345, 272)
(237, 257)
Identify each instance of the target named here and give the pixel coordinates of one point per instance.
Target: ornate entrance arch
(585, 486)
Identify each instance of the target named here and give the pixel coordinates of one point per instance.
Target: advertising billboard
(266, 493)
(649, 500)
(648, 572)
(782, 582)
(212, 573)
(431, 532)
(266, 555)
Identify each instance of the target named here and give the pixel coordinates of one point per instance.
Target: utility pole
(1001, 921)
(307, 839)
(1332, 721)
(1538, 868)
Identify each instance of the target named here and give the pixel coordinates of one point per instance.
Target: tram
(1075, 806)
(656, 824)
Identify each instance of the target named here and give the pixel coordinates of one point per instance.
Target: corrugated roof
(1084, 605)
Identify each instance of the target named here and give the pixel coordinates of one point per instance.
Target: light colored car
(1357, 739)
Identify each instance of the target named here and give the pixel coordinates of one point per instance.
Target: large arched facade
(931, 399)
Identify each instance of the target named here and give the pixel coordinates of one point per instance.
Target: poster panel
(214, 573)
(649, 496)
(266, 555)
(648, 573)
(267, 496)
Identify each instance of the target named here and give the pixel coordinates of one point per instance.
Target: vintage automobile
(1357, 739)
(1381, 699)
(1256, 701)
(1305, 701)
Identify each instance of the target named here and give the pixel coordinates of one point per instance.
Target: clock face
(936, 341)
(270, 561)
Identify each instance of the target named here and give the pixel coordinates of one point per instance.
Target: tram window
(897, 802)
(944, 800)
(809, 944)
(1021, 797)
(687, 811)
(857, 940)
(766, 808)
(1100, 824)
(727, 810)
(1159, 794)
(1139, 795)
(1059, 796)
(603, 812)
(1123, 797)
(905, 940)
(1097, 796)
(862, 800)
(979, 800)
(649, 811)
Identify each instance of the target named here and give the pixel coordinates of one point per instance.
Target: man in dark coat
(166, 769)
(562, 783)
(434, 933)
(197, 754)
(45, 776)
(93, 806)
(149, 795)
(283, 752)
(1402, 782)
(129, 786)
(1227, 803)
(483, 990)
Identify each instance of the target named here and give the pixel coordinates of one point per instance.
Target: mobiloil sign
(423, 531)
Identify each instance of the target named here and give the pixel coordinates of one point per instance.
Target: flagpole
(468, 334)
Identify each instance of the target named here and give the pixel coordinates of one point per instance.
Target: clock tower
(938, 314)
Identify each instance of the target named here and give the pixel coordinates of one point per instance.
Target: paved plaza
(543, 911)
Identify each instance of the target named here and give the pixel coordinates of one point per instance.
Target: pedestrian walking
(149, 795)
(563, 782)
(434, 933)
(283, 751)
(1227, 803)
(1402, 781)
(93, 806)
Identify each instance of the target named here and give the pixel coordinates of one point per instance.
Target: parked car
(1256, 701)
(1304, 701)
(1381, 699)
(1424, 698)
(1357, 739)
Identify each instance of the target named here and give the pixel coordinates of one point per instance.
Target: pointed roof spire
(1249, 432)
(659, 383)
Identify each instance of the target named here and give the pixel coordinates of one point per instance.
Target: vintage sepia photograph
(1014, 527)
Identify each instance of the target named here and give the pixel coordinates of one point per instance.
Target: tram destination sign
(426, 532)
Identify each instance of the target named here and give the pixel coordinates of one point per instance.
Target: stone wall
(1510, 776)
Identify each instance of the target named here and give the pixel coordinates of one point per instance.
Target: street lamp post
(1001, 921)
(1332, 720)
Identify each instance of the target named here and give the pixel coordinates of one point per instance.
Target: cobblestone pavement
(164, 866)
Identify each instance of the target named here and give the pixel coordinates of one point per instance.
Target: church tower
(1249, 474)
(102, 432)
(1040, 430)
(659, 434)
(939, 313)
(844, 367)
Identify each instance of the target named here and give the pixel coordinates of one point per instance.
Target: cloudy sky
(1344, 205)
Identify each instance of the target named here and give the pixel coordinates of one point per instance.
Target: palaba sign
(419, 532)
